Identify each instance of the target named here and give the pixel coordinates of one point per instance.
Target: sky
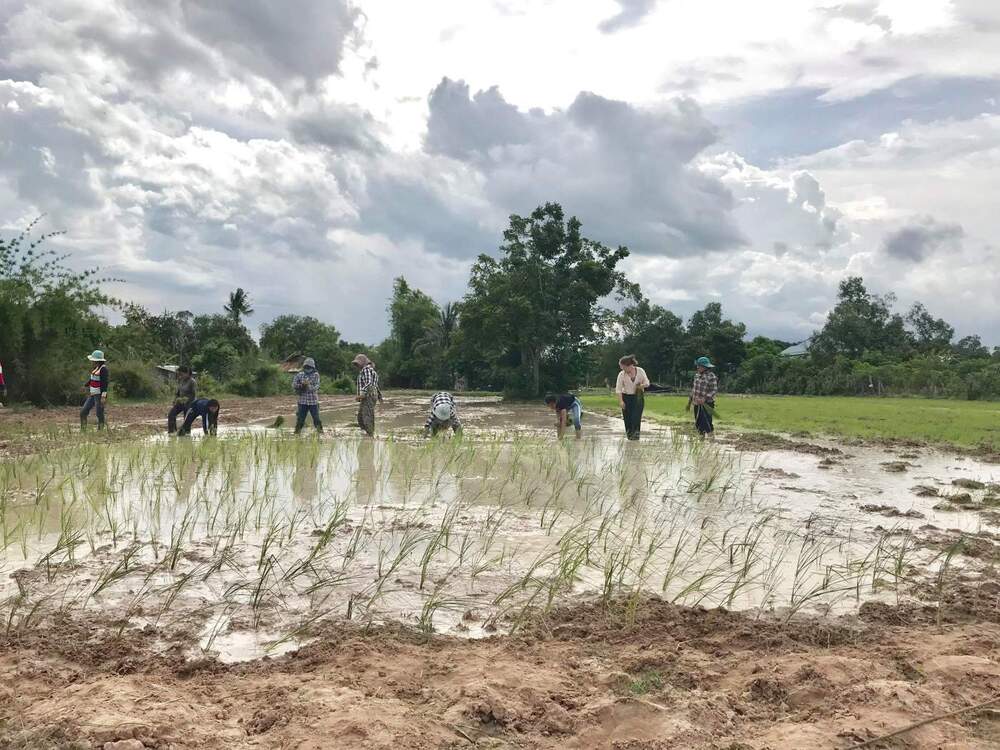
(752, 154)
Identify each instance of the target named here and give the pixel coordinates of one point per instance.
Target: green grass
(964, 423)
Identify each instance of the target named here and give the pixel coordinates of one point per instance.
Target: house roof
(797, 350)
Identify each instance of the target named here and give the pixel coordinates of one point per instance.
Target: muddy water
(242, 545)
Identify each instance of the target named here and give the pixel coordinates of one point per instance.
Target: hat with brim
(704, 362)
(442, 412)
(96, 356)
(309, 363)
(361, 360)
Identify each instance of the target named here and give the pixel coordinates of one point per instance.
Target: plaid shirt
(306, 384)
(706, 385)
(368, 381)
(443, 398)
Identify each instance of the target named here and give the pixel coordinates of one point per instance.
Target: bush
(343, 384)
(134, 380)
(263, 380)
(208, 387)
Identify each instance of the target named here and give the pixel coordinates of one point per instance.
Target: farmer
(208, 410)
(632, 382)
(187, 391)
(3, 387)
(703, 391)
(306, 385)
(443, 415)
(368, 393)
(96, 389)
(566, 406)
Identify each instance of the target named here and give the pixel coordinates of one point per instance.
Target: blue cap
(704, 362)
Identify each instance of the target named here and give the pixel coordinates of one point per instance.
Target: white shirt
(627, 385)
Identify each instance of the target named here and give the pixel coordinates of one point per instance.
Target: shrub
(343, 384)
(262, 380)
(134, 380)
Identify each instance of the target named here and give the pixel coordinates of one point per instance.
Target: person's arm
(104, 383)
(428, 424)
(644, 380)
(560, 422)
(620, 389)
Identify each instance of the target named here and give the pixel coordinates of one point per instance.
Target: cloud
(627, 171)
(630, 13)
(916, 241)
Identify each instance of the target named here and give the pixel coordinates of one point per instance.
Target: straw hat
(361, 360)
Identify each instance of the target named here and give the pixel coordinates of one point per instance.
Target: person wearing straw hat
(306, 385)
(443, 415)
(703, 392)
(96, 389)
(368, 393)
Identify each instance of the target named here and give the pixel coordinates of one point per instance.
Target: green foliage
(405, 358)
(536, 306)
(297, 334)
(239, 305)
(264, 379)
(135, 380)
(341, 385)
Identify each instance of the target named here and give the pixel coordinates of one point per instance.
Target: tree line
(551, 310)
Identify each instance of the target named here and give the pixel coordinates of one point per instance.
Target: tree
(411, 313)
(708, 334)
(860, 322)
(538, 302)
(437, 343)
(929, 333)
(655, 335)
(47, 319)
(239, 305)
(297, 334)
(969, 347)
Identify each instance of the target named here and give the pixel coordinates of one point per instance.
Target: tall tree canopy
(239, 305)
(860, 322)
(539, 301)
(298, 334)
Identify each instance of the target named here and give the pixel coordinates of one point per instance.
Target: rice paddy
(244, 545)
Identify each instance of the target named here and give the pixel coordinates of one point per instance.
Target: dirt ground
(676, 678)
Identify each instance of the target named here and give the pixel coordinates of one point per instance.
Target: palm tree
(438, 336)
(239, 305)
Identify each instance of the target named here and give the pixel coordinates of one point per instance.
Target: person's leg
(640, 404)
(317, 422)
(172, 418)
(99, 409)
(300, 417)
(366, 414)
(576, 412)
(627, 414)
(88, 404)
(188, 421)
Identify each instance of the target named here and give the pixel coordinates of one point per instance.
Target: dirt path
(678, 678)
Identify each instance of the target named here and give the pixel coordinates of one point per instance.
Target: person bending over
(567, 407)
(443, 415)
(208, 410)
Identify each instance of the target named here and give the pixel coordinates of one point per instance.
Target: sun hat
(443, 412)
(96, 356)
(704, 362)
(309, 362)
(361, 360)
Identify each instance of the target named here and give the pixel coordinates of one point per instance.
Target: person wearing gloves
(567, 407)
(368, 393)
(186, 393)
(306, 385)
(632, 383)
(96, 389)
(443, 415)
(208, 410)
(703, 392)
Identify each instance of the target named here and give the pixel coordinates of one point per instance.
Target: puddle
(241, 546)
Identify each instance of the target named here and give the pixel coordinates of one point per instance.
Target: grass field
(965, 423)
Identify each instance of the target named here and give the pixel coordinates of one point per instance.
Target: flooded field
(244, 545)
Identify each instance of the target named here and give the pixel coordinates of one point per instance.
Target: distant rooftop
(797, 350)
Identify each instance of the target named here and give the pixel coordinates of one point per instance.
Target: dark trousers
(300, 417)
(206, 424)
(175, 410)
(632, 415)
(703, 417)
(93, 402)
(366, 414)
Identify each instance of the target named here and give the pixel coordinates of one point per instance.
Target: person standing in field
(208, 410)
(306, 385)
(632, 383)
(567, 407)
(703, 392)
(368, 393)
(186, 393)
(96, 389)
(443, 415)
